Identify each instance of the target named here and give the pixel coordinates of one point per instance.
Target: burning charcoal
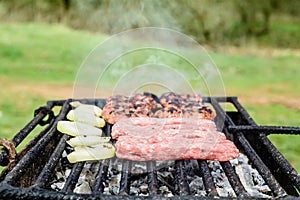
(134, 191)
(164, 190)
(82, 187)
(114, 189)
(144, 189)
(106, 191)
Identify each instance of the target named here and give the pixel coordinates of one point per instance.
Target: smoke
(138, 58)
(121, 15)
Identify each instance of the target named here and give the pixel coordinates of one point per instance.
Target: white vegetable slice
(85, 117)
(98, 152)
(77, 128)
(87, 140)
(95, 110)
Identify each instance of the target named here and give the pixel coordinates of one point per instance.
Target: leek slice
(97, 152)
(95, 110)
(77, 128)
(87, 140)
(85, 117)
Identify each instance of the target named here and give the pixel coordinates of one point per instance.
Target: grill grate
(32, 172)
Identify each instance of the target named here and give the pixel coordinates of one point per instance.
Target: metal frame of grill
(28, 176)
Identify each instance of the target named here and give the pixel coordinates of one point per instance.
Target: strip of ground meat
(149, 126)
(144, 139)
(175, 148)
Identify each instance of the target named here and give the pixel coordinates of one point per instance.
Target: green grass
(39, 55)
(282, 33)
(43, 53)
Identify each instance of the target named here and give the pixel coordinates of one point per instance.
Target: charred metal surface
(182, 186)
(253, 156)
(287, 169)
(207, 179)
(101, 176)
(285, 174)
(30, 158)
(19, 137)
(152, 178)
(73, 177)
(24, 151)
(45, 110)
(29, 177)
(10, 148)
(125, 177)
(234, 180)
(266, 129)
(47, 173)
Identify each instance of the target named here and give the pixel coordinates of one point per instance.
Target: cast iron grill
(33, 171)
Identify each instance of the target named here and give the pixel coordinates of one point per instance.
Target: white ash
(87, 178)
(250, 178)
(252, 181)
(222, 184)
(62, 172)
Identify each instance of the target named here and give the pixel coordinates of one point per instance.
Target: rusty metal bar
(73, 177)
(47, 172)
(207, 179)
(101, 176)
(152, 178)
(234, 180)
(29, 158)
(182, 186)
(19, 137)
(282, 169)
(125, 178)
(266, 129)
(253, 156)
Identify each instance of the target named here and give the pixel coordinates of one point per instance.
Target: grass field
(39, 62)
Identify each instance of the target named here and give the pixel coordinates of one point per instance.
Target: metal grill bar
(266, 129)
(125, 177)
(25, 150)
(258, 163)
(152, 178)
(24, 163)
(182, 185)
(287, 169)
(234, 180)
(47, 172)
(101, 176)
(73, 177)
(207, 179)
(274, 159)
(19, 137)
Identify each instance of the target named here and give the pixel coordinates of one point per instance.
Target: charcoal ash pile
(252, 181)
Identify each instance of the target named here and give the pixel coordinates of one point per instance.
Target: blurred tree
(208, 21)
(254, 16)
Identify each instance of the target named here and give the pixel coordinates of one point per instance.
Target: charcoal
(164, 190)
(114, 189)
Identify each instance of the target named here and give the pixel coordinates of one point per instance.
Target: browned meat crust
(183, 105)
(119, 106)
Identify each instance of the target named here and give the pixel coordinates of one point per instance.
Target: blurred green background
(255, 45)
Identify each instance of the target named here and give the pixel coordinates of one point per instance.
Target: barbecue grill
(34, 172)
